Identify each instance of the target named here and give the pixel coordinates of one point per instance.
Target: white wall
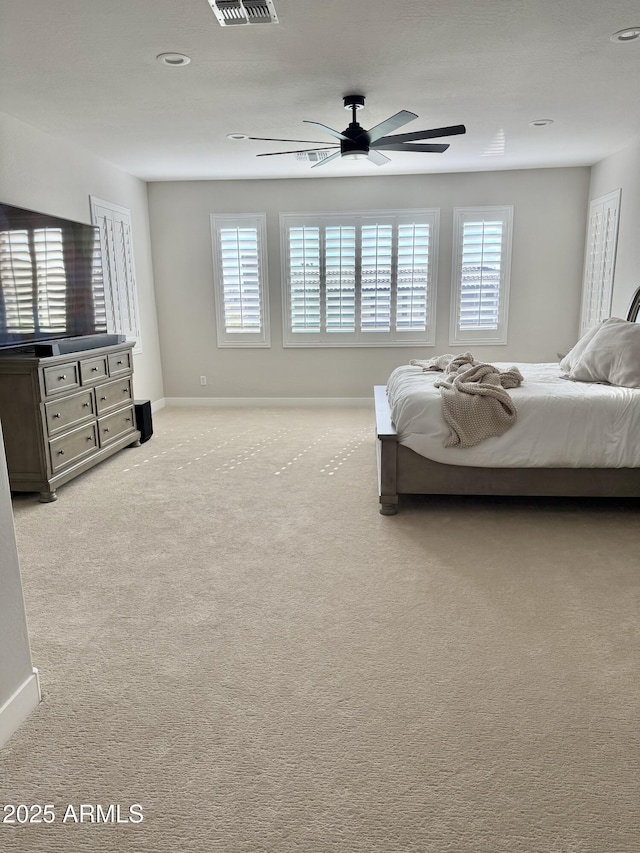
(622, 169)
(549, 226)
(19, 689)
(41, 172)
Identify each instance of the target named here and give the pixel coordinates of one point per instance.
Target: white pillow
(611, 355)
(571, 358)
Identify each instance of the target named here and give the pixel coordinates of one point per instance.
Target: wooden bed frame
(402, 471)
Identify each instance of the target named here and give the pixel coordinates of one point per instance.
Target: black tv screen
(51, 283)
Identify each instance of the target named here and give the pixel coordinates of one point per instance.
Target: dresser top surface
(24, 357)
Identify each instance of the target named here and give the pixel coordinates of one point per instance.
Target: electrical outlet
(203, 380)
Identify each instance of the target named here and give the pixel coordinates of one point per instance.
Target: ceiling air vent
(230, 13)
(312, 156)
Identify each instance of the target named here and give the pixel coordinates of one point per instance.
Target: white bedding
(560, 423)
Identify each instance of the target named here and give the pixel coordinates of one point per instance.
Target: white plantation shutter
(120, 291)
(340, 278)
(414, 252)
(359, 279)
(305, 278)
(240, 279)
(239, 255)
(480, 280)
(377, 265)
(599, 262)
(481, 272)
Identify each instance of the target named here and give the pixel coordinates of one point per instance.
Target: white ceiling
(86, 70)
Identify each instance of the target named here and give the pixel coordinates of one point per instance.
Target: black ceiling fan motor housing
(357, 139)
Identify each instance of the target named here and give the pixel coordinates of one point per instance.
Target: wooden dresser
(63, 414)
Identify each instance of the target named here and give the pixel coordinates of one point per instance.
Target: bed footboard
(387, 451)
(401, 471)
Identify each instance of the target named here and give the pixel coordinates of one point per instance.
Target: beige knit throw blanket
(475, 403)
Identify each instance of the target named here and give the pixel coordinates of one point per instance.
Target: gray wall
(40, 172)
(15, 656)
(622, 170)
(548, 244)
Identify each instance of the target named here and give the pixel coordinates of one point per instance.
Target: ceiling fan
(356, 143)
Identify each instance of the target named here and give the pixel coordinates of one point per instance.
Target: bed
(520, 462)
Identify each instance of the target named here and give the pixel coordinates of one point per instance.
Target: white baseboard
(158, 404)
(270, 402)
(18, 706)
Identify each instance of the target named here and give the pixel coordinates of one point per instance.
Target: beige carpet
(230, 634)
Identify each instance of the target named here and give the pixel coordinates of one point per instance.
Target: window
(481, 269)
(240, 279)
(359, 279)
(599, 261)
(120, 294)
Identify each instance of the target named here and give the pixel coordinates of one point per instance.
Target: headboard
(634, 308)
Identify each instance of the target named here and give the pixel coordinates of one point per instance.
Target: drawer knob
(94, 369)
(61, 453)
(85, 405)
(89, 438)
(57, 415)
(127, 419)
(103, 398)
(120, 362)
(106, 429)
(64, 376)
(125, 390)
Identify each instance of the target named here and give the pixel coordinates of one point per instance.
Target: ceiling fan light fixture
(541, 122)
(355, 143)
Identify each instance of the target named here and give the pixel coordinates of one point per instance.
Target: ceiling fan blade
(435, 133)
(271, 139)
(378, 157)
(326, 160)
(330, 130)
(389, 124)
(433, 148)
(299, 151)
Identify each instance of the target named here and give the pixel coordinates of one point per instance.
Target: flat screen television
(51, 283)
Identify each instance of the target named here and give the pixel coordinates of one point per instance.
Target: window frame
(461, 215)
(226, 339)
(601, 248)
(118, 264)
(358, 218)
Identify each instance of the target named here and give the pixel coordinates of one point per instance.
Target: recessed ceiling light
(237, 136)
(175, 60)
(541, 122)
(630, 34)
